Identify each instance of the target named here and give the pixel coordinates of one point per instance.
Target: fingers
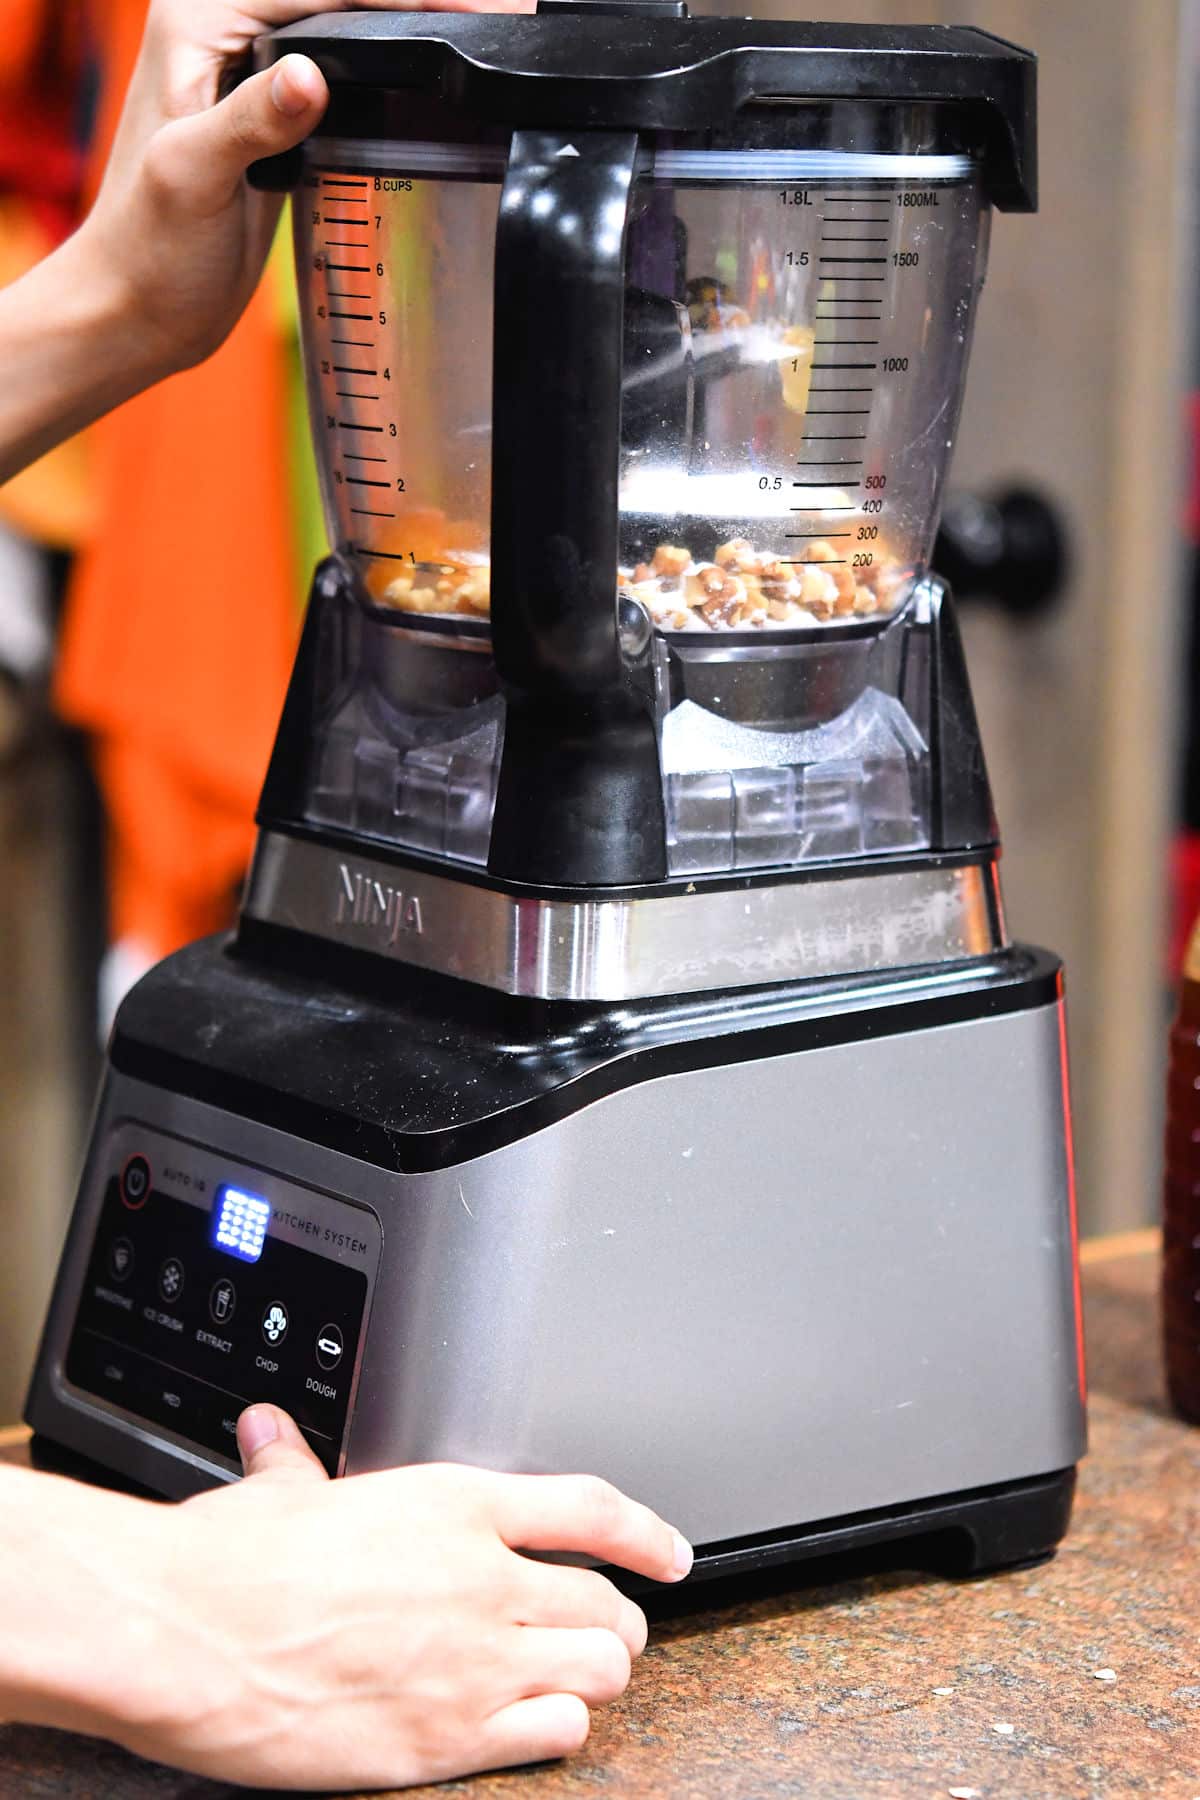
(593, 1664)
(200, 160)
(272, 1445)
(531, 1731)
(583, 1514)
(555, 1595)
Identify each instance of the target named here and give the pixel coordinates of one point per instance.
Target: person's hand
(164, 264)
(380, 1630)
(175, 225)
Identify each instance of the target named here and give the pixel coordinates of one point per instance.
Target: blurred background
(138, 695)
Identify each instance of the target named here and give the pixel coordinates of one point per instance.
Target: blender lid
(644, 67)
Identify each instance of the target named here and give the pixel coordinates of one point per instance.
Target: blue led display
(239, 1223)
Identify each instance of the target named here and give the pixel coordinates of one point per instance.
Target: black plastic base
(977, 1532)
(413, 1071)
(50, 1458)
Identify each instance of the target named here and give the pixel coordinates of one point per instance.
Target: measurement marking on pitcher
(350, 456)
(345, 425)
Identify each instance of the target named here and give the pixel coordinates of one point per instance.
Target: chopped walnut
(397, 591)
(819, 591)
(708, 582)
(425, 600)
(670, 559)
(474, 596)
(740, 588)
(847, 588)
(721, 612)
(739, 555)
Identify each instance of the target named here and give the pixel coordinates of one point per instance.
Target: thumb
(271, 1444)
(205, 155)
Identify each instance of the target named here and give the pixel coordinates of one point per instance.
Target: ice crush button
(170, 1279)
(239, 1223)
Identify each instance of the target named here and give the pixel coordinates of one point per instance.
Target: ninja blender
(621, 1062)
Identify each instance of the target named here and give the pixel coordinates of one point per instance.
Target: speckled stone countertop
(1077, 1680)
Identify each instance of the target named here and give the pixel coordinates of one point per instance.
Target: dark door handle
(1011, 549)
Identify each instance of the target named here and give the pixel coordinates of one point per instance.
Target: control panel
(212, 1285)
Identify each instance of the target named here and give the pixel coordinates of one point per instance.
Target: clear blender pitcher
(724, 428)
(797, 326)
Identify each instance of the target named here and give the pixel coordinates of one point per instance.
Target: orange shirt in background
(181, 623)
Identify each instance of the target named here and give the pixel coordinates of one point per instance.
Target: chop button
(275, 1323)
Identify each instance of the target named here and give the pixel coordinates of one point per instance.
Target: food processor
(621, 1062)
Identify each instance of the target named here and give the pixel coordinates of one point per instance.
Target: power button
(135, 1183)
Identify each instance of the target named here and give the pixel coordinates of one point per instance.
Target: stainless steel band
(627, 949)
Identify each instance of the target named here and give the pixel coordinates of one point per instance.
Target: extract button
(222, 1302)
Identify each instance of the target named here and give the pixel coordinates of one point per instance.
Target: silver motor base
(764, 1297)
